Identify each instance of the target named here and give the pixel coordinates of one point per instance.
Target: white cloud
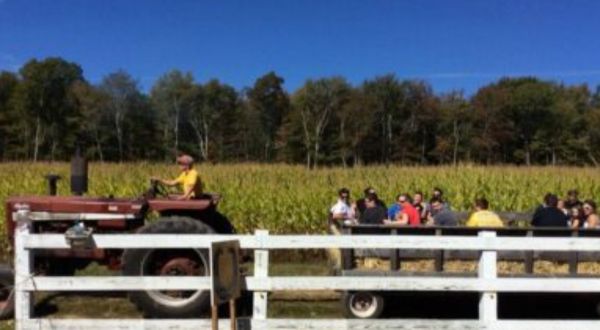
(472, 75)
(8, 61)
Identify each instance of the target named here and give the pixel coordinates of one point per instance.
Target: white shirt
(342, 208)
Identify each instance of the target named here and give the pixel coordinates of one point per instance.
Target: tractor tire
(362, 305)
(170, 262)
(7, 298)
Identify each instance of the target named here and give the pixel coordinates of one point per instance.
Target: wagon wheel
(362, 305)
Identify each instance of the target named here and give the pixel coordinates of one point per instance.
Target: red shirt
(414, 218)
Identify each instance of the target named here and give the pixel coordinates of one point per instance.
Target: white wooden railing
(486, 283)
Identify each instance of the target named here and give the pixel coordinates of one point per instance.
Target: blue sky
(458, 44)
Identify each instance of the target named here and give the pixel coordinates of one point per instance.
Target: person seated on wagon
(440, 215)
(341, 211)
(590, 213)
(437, 194)
(483, 217)
(550, 215)
(361, 204)
(189, 179)
(420, 205)
(408, 216)
(572, 201)
(395, 209)
(374, 213)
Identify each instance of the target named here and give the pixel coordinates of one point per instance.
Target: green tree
(354, 125)
(417, 122)
(385, 95)
(268, 98)
(8, 85)
(92, 104)
(561, 138)
(171, 96)
(212, 115)
(122, 91)
(493, 131)
(529, 105)
(43, 96)
(317, 102)
(455, 126)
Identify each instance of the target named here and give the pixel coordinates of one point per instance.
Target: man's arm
(402, 218)
(169, 183)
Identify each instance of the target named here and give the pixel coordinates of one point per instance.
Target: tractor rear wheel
(170, 262)
(7, 298)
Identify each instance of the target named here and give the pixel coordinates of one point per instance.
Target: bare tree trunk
(53, 149)
(307, 143)
(389, 139)
(423, 145)
(38, 128)
(206, 150)
(527, 154)
(267, 148)
(592, 158)
(176, 129)
(98, 145)
(119, 133)
(343, 143)
(456, 142)
(316, 156)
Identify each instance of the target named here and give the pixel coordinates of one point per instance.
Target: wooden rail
(440, 256)
(486, 283)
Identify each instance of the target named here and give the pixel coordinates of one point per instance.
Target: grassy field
(291, 199)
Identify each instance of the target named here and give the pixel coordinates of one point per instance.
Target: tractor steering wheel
(159, 189)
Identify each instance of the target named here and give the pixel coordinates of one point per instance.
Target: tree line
(48, 106)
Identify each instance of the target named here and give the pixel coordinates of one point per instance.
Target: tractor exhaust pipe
(79, 172)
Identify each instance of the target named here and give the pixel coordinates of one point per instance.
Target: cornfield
(291, 199)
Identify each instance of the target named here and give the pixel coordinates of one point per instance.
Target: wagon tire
(157, 262)
(362, 305)
(7, 298)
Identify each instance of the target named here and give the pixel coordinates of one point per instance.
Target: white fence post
(261, 271)
(23, 270)
(488, 301)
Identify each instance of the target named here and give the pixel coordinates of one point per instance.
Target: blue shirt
(393, 211)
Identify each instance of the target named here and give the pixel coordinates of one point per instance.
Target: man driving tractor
(189, 179)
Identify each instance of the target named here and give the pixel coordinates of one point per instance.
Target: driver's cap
(185, 160)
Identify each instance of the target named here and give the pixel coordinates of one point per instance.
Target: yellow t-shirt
(484, 219)
(190, 178)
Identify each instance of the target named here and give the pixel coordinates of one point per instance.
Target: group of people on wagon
(413, 211)
(568, 212)
(407, 210)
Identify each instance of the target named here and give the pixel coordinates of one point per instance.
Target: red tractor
(55, 214)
